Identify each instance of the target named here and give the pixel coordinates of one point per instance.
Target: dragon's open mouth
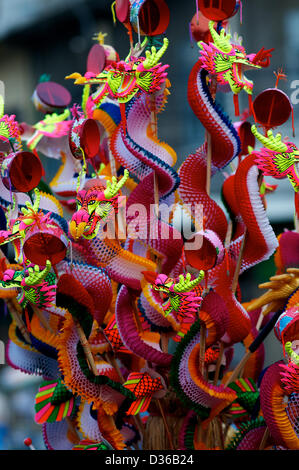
(238, 71)
(91, 227)
(126, 86)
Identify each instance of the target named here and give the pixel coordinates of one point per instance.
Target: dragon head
(181, 297)
(277, 159)
(35, 286)
(95, 206)
(227, 61)
(122, 80)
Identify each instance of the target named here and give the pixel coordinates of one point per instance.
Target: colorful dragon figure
(181, 298)
(122, 80)
(226, 61)
(277, 158)
(95, 206)
(9, 131)
(36, 286)
(30, 217)
(53, 126)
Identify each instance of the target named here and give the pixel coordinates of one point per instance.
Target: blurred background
(53, 37)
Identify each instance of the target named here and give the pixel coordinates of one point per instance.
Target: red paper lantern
(209, 253)
(272, 108)
(153, 17)
(246, 136)
(49, 96)
(85, 135)
(21, 171)
(199, 27)
(217, 10)
(96, 59)
(122, 10)
(45, 243)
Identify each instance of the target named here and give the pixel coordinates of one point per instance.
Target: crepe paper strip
(72, 295)
(253, 347)
(91, 445)
(143, 387)
(249, 435)
(109, 430)
(286, 255)
(247, 392)
(246, 137)
(16, 315)
(53, 403)
(274, 408)
(287, 326)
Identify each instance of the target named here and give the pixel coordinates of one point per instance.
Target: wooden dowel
(264, 439)
(72, 428)
(218, 363)
(238, 369)
(43, 319)
(16, 316)
(239, 262)
(165, 424)
(136, 315)
(209, 163)
(86, 347)
(202, 348)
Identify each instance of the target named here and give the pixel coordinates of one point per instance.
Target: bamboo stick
(86, 347)
(165, 424)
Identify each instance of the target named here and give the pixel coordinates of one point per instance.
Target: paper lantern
(85, 135)
(272, 108)
(152, 16)
(45, 242)
(246, 136)
(21, 171)
(96, 59)
(48, 96)
(217, 10)
(122, 10)
(208, 252)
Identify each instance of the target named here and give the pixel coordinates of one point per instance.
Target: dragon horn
(36, 200)
(153, 57)
(270, 142)
(114, 186)
(222, 40)
(36, 276)
(189, 285)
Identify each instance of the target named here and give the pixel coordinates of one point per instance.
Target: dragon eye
(90, 203)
